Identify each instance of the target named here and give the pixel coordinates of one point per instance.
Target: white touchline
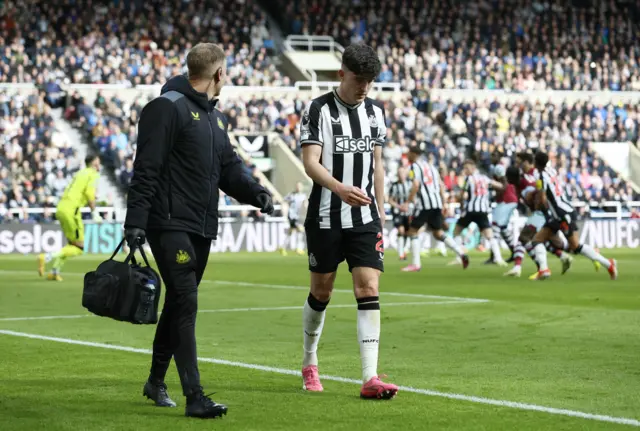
(429, 392)
(284, 286)
(245, 309)
(14, 319)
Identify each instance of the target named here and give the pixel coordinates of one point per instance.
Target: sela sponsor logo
(347, 144)
(30, 239)
(36, 238)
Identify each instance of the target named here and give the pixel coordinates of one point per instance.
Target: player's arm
(415, 185)
(156, 132)
(90, 195)
(443, 193)
(378, 181)
(496, 185)
(540, 198)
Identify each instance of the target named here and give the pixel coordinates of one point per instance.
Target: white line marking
(14, 319)
(283, 286)
(428, 392)
(246, 309)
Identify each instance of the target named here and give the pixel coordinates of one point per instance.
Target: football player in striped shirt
(428, 193)
(398, 195)
(295, 203)
(342, 134)
(476, 206)
(560, 217)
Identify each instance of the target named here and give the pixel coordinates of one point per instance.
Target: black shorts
(479, 218)
(361, 247)
(294, 223)
(432, 218)
(566, 223)
(401, 220)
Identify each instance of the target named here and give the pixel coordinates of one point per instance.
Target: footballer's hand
(404, 207)
(134, 236)
(266, 203)
(353, 196)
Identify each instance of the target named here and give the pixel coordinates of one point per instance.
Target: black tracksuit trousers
(181, 258)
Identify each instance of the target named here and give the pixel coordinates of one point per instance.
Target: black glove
(266, 203)
(134, 236)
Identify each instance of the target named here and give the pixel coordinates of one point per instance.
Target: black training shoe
(511, 259)
(158, 393)
(201, 406)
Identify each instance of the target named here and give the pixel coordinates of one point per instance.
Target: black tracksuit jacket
(183, 157)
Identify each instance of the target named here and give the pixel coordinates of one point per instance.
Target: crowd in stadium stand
(112, 42)
(517, 45)
(36, 161)
(449, 132)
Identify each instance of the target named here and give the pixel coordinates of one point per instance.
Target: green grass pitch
(568, 343)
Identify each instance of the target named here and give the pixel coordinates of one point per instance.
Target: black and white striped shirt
(296, 202)
(428, 197)
(348, 135)
(554, 189)
(476, 187)
(399, 191)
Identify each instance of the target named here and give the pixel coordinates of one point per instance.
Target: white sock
(401, 244)
(407, 244)
(441, 247)
(452, 245)
(495, 249)
(415, 250)
(369, 335)
(589, 252)
(458, 241)
(541, 256)
(564, 242)
(48, 257)
(312, 322)
(293, 240)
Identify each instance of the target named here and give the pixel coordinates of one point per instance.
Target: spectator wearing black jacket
(184, 158)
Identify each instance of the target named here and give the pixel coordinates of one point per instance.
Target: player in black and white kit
(560, 217)
(295, 202)
(476, 205)
(398, 195)
(342, 134)
(427, 193)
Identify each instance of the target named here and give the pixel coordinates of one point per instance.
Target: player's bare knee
(438, 234)
(78, 244)
(322, 285)
(365, 282)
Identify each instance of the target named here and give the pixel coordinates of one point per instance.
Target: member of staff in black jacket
(184, 157)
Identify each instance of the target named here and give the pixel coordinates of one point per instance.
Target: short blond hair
(203, 59)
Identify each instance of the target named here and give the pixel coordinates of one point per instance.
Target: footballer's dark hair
(362, 60)
(541, 160)
(525, 156)
(513, 175)
(89, 159)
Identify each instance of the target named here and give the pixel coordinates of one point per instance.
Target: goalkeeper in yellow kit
(78, 194)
